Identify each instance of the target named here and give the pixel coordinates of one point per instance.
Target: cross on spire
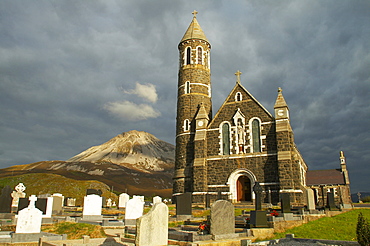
(238, 73)
(195, 13)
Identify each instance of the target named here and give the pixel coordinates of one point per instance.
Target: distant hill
(134, 162)
(354, 196)
(44, 183)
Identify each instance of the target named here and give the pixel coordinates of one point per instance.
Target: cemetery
(132, 221)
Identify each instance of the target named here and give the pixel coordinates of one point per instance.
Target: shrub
(363, 231)
(366, 199)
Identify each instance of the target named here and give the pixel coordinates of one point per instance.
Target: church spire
(194, 30)
(281, 107)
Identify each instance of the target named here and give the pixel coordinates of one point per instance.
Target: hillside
(43, 183)
(133, 162)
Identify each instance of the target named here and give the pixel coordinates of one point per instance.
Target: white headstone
(30, 218)
(152, 228)
(310, 200)
(49, 207)
(71, 202)
(109, 202)
(123, 199)
(142, 198)
(157, 199)
(92, 205)
(57, 203)
(134, 210)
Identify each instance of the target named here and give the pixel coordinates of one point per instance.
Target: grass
(339, 227)
(75, 230)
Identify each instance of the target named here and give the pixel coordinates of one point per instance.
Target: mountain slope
(134, 149)
(133, 162)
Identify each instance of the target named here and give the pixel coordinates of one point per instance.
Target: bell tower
(193, 94)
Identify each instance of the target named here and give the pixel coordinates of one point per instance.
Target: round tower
(194, 89)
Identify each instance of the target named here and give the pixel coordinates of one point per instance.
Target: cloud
(147, 92)
(131, 111)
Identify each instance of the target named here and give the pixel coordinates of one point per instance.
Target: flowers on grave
(274, 213)
(203, 228)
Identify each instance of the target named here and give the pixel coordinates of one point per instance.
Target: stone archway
(241, 182)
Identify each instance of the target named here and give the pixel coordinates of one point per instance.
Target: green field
(339, 227)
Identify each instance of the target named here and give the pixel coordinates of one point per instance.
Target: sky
(74, 74)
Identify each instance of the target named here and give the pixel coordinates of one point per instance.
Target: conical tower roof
(194, 30)
(202, 113)
(280, 101)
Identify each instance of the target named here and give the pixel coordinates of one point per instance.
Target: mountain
(135, 150)
(134, 162)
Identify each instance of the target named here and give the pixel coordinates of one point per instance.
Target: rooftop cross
(195, 13)
(238, 73)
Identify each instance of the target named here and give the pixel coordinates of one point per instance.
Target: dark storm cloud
(66, 66)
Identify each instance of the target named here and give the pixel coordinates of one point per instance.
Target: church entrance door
(244, 191)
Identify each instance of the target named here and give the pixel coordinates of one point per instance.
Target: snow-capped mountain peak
(134, 149)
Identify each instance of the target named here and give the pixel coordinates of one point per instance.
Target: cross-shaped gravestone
(33, 200)
(258, 191)
(238, 73)
(29, 219)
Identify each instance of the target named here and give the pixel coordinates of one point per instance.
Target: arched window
(225, 139)
(238, 96)
(200, 55)
(256, 135)
(187, 87)
(188, 56)
(186, 125)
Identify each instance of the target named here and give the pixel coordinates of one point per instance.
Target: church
(242, 144)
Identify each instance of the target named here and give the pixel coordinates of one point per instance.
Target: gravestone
(70, 202)
(6, 200)
(183, 206)
(123, 199)
(310, 200)
(41, 204)
(157, 199)
(92, 207)
(208, 201)
(57, 207)
(17, 194)
(152, 228)
(222, 220)
(330, 202)
(285, 203)
(109, 203)
(142, 198)
(258, 216)
(29, 218)
(134, 210)
(93, 192)
(257, 188)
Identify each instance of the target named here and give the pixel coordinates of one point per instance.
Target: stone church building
(240, 145)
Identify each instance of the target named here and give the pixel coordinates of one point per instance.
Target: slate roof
(324, 177)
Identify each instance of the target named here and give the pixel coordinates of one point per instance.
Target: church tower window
(188, 56)
(200, 55)
(186, 125)
(187, 87)
(256, 136)
(225, 139)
